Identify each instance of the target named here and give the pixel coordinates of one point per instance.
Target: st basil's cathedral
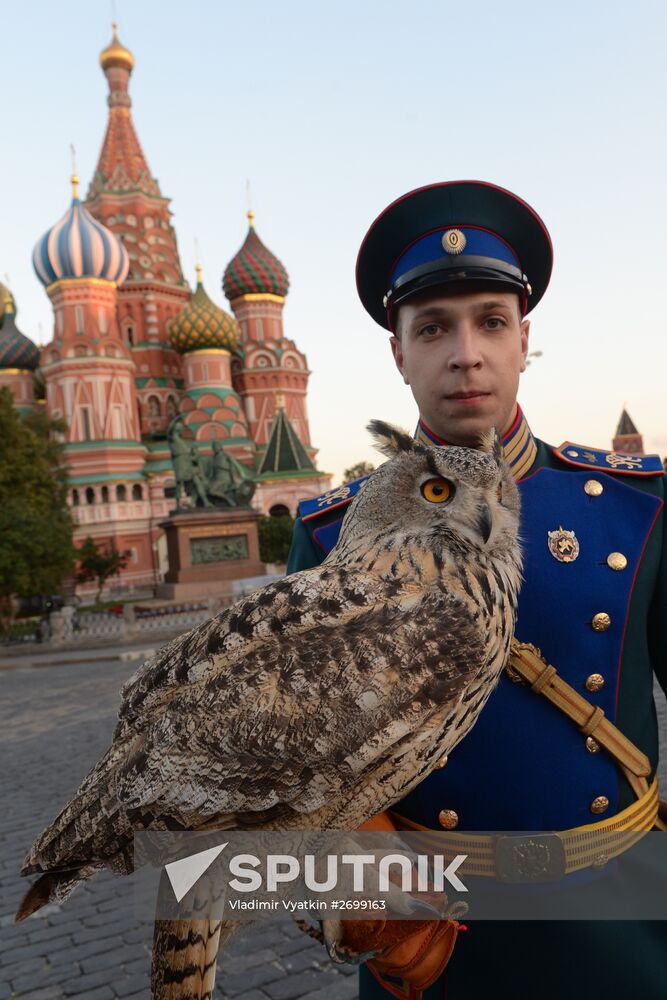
(133, 347)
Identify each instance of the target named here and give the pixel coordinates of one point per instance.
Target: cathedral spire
(126, 198)
(122, 165)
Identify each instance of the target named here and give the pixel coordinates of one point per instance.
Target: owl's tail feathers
(53, 887)
(185, 953)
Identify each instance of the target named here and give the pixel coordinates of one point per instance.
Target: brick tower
(627, 438)
(268, 365)
(89, 375)
(19, 357)
(126, 198)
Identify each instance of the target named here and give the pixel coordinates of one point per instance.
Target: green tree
(100, 564)
(357, 471)
(36, 550)
(275, 538)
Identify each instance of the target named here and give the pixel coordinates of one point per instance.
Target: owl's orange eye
(437, 490)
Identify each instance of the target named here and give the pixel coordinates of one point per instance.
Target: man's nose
(466, 351)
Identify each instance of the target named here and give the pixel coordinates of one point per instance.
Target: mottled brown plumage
(325, 697)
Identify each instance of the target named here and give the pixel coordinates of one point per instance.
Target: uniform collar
(519, 444)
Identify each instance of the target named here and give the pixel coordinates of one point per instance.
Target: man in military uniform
(451, 270)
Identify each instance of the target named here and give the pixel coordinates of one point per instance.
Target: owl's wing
(293, 702)
(282, 610)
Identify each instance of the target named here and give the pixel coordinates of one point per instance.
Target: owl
(318, 701)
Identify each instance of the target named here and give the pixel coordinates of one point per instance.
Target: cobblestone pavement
(54, 724)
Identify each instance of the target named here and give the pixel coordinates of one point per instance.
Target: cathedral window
(86, 424)
(78, 319)
(171, 406)
(105, 494)
(75, 498)
(153, 406)
(121, 493)
(90, 496)
(137, 492)
(148, 222)
(102, 316)
(59, 321)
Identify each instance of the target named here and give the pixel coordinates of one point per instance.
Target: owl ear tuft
(490, 442)
(391, 440)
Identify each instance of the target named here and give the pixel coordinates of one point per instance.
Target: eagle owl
(320, 700)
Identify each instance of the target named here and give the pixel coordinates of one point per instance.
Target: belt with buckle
(547, 857)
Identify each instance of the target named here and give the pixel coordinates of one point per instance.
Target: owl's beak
(485, 522)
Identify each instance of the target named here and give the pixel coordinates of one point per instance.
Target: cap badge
(454, 241)
(563, 545)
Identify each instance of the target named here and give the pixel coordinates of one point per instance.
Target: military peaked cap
(455, 233)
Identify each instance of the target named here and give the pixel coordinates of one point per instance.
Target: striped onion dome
(79, 247)
(16, 350)
(254, 270)
(202, 324)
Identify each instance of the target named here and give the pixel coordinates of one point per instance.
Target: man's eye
(430, 330)
(494, 323)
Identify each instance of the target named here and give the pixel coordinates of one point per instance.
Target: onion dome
(202, 325)
(254, 270)
(79, 247)
(116, 54)
(16, 350)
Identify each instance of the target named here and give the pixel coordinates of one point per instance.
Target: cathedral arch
(261, 360)
(137, 492)
(292, 360)
(121, 493)
(211, 431)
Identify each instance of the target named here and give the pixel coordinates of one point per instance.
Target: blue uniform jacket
(525, 766)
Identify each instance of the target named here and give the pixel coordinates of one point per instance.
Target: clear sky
(332, 111)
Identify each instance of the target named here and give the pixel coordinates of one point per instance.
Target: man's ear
(525, 332)
(397, 351)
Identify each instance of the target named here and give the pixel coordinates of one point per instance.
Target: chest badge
(563, 545)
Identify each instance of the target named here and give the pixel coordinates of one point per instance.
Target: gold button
(592, 745)
(599, 804)
(601, 621)
(594, 682)
(593, 488)
(448, 819)
(442, 761)
(616, 560)
(600, 862)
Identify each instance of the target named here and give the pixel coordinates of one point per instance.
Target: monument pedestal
(208, 549)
